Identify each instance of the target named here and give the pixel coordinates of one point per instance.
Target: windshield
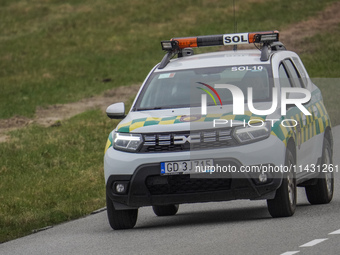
(178, 89)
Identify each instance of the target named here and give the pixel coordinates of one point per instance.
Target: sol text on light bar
(216, 40)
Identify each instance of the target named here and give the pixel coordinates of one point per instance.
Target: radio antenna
(235, 25)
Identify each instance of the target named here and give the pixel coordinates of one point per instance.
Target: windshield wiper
(150, 108)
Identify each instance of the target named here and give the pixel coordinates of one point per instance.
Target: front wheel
(120, 219)
(322, 191)
(284, 202)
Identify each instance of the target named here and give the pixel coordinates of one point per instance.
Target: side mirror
(116, 111)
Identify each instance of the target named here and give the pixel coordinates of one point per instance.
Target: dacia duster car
(219, 126)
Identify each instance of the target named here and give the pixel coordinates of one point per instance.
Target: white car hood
(186, 119)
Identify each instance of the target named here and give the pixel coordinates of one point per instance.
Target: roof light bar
(266, 38)
(224, 39)
(169, 45)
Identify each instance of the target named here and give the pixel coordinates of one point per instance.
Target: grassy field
(52, 52)
(322, 60)
(50, 175)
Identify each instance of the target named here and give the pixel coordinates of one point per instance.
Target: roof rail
(274, 46)
(166, 59)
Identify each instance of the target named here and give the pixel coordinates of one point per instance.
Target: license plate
(185, 167)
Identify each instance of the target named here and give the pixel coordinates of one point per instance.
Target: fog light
(263, 178)
(120, 187)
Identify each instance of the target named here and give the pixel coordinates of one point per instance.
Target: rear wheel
(284, 202)
(322, 191)
(120, 219)
(165, 210)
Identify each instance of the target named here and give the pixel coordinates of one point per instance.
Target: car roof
(213, 59)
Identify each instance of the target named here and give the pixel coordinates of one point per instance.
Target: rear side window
(293, 74)
(283, 76)
(301, 70)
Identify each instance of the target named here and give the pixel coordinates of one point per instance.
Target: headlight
(252, 133)
(127, 141)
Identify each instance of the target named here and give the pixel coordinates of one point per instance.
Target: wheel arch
(292, 147)
(329, 137)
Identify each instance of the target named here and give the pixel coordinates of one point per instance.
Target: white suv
(240, 124)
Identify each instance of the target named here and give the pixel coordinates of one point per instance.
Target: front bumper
(141, 173)
(147, 187)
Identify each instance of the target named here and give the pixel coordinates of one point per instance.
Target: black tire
(120, 219)
(284, 202)
(322, 191)
(165, 210)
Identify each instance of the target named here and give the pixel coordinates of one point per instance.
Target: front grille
(180, 141)
(182, 184)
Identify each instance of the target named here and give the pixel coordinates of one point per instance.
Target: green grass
(52, 52)
(322, 60)
(50, 175)
(330, 88)
(322, 54)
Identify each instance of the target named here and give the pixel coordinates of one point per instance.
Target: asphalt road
(236, 227)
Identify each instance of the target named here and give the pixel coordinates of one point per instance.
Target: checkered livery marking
(142, 122)
(309, 125)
